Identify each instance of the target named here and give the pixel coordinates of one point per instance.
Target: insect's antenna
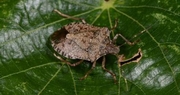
(143, 31)
(67, 16)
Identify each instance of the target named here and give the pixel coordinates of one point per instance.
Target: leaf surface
(27, 64)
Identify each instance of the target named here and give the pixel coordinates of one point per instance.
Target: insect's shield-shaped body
(83, 41)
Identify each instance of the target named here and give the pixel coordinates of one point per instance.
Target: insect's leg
(67, 16)
(93, 66)
(112, 74)
(115, 25)
(121, 71)
(116, 36)
(127, 41)
(122, 61)
(74, 64)
(121, 76)
(136, 57)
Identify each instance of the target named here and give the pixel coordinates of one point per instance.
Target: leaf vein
(25, 70)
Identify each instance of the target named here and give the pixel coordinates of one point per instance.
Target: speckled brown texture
(83, 41)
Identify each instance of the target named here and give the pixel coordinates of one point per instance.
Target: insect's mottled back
(83, 41)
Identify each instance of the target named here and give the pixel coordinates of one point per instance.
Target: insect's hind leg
(74, 64)
(67, 16)
(112, 74)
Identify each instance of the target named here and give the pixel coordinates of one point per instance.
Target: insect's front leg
(115, 25)
(127, 41)
(117, 35)
(135, 58)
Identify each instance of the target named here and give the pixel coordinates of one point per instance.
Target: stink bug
(87, 42)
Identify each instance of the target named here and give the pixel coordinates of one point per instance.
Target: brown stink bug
(87, 42)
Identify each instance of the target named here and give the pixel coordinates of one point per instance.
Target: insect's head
(112, 49)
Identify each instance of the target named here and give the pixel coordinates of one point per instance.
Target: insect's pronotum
(87, 42)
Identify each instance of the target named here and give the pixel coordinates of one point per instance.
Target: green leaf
(27, 64)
